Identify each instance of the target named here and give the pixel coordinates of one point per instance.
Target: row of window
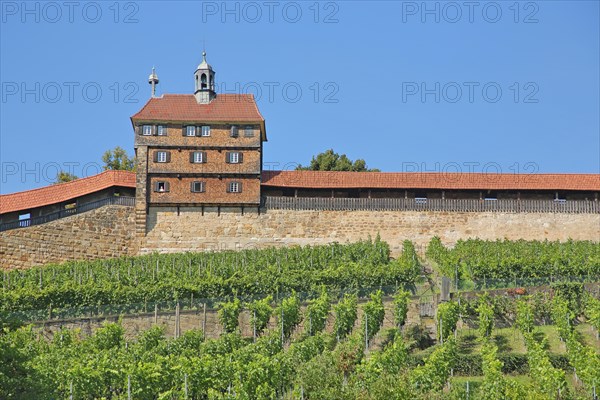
(192, 130)
(199, 157)
(197, 187)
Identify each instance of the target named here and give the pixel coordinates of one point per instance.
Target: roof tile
(65, 191)
(184, 107)
(429, 180)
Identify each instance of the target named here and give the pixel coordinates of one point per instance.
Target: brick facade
(220, 136)
(215, 191)
(215, 161)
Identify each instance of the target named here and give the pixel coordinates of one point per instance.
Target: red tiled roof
(65, 191)
(320, 180)
(429, 180)
(226, 107)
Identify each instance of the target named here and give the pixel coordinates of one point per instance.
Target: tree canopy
(118, 159)
(64, 176)
(332, 161)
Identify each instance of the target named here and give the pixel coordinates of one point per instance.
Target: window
(24, 220)
(161, 187)
(206, 131)
(161, 130)
(248, 131)
(147, 130)
(162, 157)
(234, 187)
(420, 200)
(234, 157)
(198, 157)
(198, 187)
(190, 131)
(234, 131)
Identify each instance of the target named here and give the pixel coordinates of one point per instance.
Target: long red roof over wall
(226, 107)
(429, 180)
(65, 191)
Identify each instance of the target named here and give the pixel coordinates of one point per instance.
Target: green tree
(118, 159)
(64, 176)
(332, 161)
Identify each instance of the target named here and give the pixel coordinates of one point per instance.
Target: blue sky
(408, 86)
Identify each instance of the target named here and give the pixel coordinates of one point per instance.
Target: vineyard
(317, 332)
(173, 277)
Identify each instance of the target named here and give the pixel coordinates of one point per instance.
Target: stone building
(201, 149)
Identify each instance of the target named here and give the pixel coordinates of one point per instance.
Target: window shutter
(156, 186)
(168, 156)
(191, 156)
(234, 131)
(155, 156)
(198, 131)
(138, 130)
(192, 186)
(240, 157)
(203, 157)
(229, 187)
(184, 130)
(202, 187)
(228, 157)
(167, 186)
(240, 187)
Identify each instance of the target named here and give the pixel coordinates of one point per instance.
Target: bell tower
(204, 78)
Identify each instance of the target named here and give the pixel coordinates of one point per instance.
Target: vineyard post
(204, 320)
(185, 385)
(441, 331)
(177, 327)
(128, 387)
(155, 313)
(282, 335)
(254, 327)
(467, 390)
(456, 278)
(366, 331)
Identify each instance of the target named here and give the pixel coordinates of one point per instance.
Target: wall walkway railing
(422, 204)
(109, 201)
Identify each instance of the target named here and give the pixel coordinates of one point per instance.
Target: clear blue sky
(370, 61)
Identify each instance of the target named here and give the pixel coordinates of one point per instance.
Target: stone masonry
(102, 233)
(229, 229)
(111, 231)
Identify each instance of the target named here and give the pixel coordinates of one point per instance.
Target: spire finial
(153, 81)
